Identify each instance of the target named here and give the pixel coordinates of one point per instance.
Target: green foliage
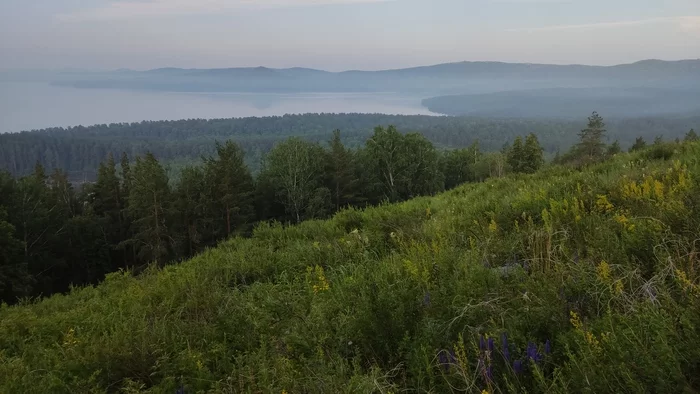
(295, 169)
(591, 146)
(149, 207)
(638, 145)
(577, 280)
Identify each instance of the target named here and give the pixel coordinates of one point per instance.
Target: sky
(341, 34)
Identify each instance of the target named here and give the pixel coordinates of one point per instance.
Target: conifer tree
(614, 148)
(341, 172)
(591, 146)
(190, 203)
(639, 144)
(533, 155)
(516, 155)
(230, 188)
(149, 208)
(691, 136)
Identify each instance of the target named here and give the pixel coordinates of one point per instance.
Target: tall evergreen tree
(533, 155)
(230, 187)
(341, 173)
(516, 155)
(591, 146)
(614, 148)
(190, 202)
(639, 144)
(15, 280)
(691, 136)
(149, 208)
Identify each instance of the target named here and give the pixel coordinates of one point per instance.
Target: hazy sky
(341, 34)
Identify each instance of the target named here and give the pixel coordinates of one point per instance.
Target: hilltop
(563, 280)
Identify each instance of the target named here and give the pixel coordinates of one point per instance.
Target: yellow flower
(603, 271)
(575, 320)
(619, 287)
(493, 227)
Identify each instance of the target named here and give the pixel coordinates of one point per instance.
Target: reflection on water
(25, 106)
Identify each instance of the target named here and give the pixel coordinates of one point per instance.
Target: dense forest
(581, 275)
(55, 235)
(79, 150)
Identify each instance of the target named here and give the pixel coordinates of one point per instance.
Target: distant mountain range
(648, 87)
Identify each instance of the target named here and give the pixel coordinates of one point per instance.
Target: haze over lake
(36, 105)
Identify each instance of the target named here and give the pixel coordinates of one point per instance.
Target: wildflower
(504, 343)
(518, 366)
(575, 320)
(547, 347)
(532, 353)
(484, 391)
(489, 373)
(491, 344)
(603, 271)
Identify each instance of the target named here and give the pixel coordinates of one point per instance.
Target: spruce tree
(533, 154)
(591, 146)
(516, 155)
(230, 188)
(691, 136)
(614, 148)
(639, 144)
(341, 173)
(149, 210)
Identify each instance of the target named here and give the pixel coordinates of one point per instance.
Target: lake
(27, 106)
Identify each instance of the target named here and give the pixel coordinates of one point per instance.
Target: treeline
(53, 235)
(79, 150)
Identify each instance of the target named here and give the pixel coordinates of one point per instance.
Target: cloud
(686, 23)
(120, 9)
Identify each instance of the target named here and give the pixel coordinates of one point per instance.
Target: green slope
(600, 267)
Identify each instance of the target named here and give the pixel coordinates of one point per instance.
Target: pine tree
(516, 155)
(533, 154)
(149, 208)
(341, 173)
(691, 136)
(190, 202)
(614, 148)
(15, 280)
(639, 144)
(230, 188)
(591, 146)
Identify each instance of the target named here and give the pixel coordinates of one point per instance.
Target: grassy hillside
(560, 281)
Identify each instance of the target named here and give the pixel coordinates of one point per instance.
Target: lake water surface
(27, 106)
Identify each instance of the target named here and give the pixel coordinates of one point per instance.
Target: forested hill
(461, 77)
(79, 150)
(571, 279)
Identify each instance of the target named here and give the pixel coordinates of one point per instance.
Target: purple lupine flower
(547, 347)
(504, 344)
(482, 343)
(518, 366)
(532, 353)
(426, 299)
(489, 373)
(491, 344)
